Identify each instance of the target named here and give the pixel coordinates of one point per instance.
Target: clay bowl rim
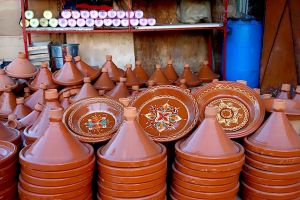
(70, 83)
(16, 137)
(181, 196)
(8, 182)
(139, 163)
(211, 167)
(21, 76)
(56, 167)
(207, 181)
(11, 167)
(60, 174)
(271, 152)
(209, 160)
(67, 89)
(138, 171)
(27, 137)
(272, 160)
(12, 153)
(12, 87)
(263, 188)
(34, 89)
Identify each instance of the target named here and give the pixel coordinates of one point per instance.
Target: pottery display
(86, 91)
(7, 102)
(119, 91)
(94, 119)
(170, 72)
(125, 101)
(21, 67)
(140, 172)
(205, 73)
(187, 74)
(285, 92)
(26, 92)
(114, 72)
(131, 78)
(65, 102)
(6, 81)
(21, 110)
(85, 69)
(140, 72)
(159, 77)
(37, 97)
(68, 75)
(30, 118)
(104, 82)
(240, 109)
(183, 84)
(166, 113)
(41, 157)
(10, 135)
(43, 76)
(297, 94)
(73, 90)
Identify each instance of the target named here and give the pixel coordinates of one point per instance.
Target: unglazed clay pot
(21, 67)
(21, 110)
(113, 71)
(159, 77)
(9, 134)
(37, 97)
(170, 72)
(31, 117)
(205, 73)
(43, 76)
(65, 102)
(68, 75)
(8, 154)
(104, 82)
(7, 102)
(85, 69)
(131, 79)
(87, 91)
(140, 72)
(285, 92)
(191, 79)
(119, 91)
(6, 81)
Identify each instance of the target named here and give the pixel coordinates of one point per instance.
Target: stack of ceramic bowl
(131, 165)
(272, 169)
(56, 166)
(8, 171)
(10, 135)
(207, 164)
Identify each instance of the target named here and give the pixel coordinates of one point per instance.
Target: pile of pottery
(56, 166)
(131, 165)
(207, 164)
(10, 135)
(272, 169)
(8, 171)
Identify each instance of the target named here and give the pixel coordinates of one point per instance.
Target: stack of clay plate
(207, 164)
(131, 165)
(8, 171)
(56, 166)
(272, 169)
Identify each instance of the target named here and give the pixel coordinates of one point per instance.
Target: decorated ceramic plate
(94, 119)
(240, 109)
(166, 113)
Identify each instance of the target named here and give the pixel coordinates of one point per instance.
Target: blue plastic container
(243, 51)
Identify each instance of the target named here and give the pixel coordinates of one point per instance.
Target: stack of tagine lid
(131, 165)
(207, 164)
(272, 169)
(56, 166)
(8, 171)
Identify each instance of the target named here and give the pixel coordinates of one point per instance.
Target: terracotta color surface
(37, 97)
(43, 76)
(159, 77)
(65, 102)
(6, 81)
(285, 92)
(170, 72)
(7, 103)
(183, 84)
(86, 91)
(85, 69)
(297, 95)
(68, 75)
(140, 72)
(8, 154)
(21, 110)
(131, 78)
(31, 117)
(113, 71)
(21, 67)
(104, 82)
(125, 101)
(205, 73)
(119, 91)
(187, 74)
(26, 92)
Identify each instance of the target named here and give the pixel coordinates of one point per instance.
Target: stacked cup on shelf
(46, 21)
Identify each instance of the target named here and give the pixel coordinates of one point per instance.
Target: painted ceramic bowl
(166, 113)
(94, 119)
(240, 109)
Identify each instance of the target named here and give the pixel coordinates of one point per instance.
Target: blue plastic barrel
(243, 51)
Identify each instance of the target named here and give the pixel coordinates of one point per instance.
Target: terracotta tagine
(12, 121)
(6, 81)
(131, 79)
(297, 95)
(140, 72)
(68, 75)
(9, 135)
(21, 67)
(26, 92)
(113, 71)
(285, 92)
(276, 137)
(31, 117)
(170, 72)
(7, 102)
(205, 73)
(125, 101)
(37, 97)
(85, 69)
(151, 83)
(135, 90)
(65, 102)
(21, 110)
(87, 91)
(119, 91)
(191, 79)
(104, 82)
(159, 77)
(183, 84)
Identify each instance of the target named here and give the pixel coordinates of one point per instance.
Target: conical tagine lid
(8, 134)
(6, 81)
(21, 110)
(21, 67)
(131, 79)
(68, 75)
(191, 79)
(276, 133)
(130, 143)
(170, 72)
(65, 102)
(87, 91)
(56, 145)
(7, 102)
(183, 84)
(104, 82)
(113, 71)
(140, 72)
(120, 91)
(85, 69)
(37, 97)
(285, 92)
(209, 139)
(31, 118)
(159, 77)
(43, 76)
(205, 73)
